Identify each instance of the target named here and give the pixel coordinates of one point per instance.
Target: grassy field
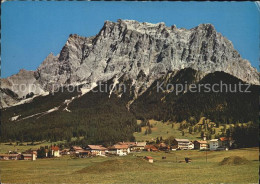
(163, 130)
(166, 130)
(133, 169)
(5, 147)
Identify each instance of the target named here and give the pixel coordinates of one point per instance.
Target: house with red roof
(149, 159)
(55, 151)
(150, 148)
(225, 142)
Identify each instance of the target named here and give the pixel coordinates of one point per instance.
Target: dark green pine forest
(100, 119)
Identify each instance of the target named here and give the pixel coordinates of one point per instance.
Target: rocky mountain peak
(130, 49)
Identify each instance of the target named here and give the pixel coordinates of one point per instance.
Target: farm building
(149, 159)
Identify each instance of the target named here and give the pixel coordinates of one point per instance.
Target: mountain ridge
(131, 48)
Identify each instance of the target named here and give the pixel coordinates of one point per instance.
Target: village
(120, 149)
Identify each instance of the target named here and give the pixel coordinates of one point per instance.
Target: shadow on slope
(119, 165)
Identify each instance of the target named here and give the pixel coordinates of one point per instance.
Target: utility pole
(206, 155)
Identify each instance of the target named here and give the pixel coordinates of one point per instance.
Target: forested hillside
(223, 107)
(95, 116)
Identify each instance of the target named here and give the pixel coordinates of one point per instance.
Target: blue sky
(31, 30)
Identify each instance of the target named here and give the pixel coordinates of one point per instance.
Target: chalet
(119, 150)
(10, 156)
(97, 150)
(29, 156)
(55, 151)
(149, 159)
(182, 144)
(213, 144)
(139, 146)
(150, 148)
(200, 145)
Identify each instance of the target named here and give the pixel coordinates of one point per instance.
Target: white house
(213, 144)
(119, 150)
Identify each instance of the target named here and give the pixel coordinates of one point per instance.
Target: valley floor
(133, 169)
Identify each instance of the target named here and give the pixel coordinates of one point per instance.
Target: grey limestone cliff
(129, 48)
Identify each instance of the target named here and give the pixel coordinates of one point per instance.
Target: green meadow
(134, 169)
(167, 129)
(6, 147)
